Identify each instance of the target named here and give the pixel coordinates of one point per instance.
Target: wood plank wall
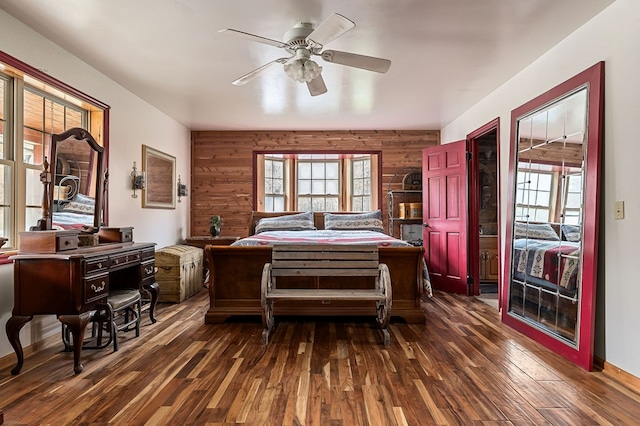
(222, 166)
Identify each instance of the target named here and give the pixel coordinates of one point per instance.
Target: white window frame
(345, 194)
(21, 77)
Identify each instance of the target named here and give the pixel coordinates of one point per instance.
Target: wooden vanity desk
(71, 283)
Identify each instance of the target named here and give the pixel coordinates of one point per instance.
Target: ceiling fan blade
(357, 61)
(330, 29)
(252, 37)
(317, 86)
(253, 74)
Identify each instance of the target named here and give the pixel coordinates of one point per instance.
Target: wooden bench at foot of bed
(236, 274)
(323, 260)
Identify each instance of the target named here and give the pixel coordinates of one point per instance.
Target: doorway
(484, 228)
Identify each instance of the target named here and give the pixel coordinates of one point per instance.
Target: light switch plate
(619, 210)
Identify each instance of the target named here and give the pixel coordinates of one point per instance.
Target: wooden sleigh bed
(236, 273)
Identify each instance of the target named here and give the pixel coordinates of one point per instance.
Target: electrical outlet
(618, 210)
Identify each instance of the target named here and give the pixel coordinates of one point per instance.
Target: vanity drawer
(66, 242)
(96, 288)
(96, 265)
(147, 269)
(124, 259)
(116, 235)
(148, 253)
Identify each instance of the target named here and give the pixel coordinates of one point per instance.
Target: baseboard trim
(617, 373)
(10, 360)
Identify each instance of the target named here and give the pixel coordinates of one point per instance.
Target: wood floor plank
(462, 367)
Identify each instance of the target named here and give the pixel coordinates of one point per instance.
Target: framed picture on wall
(160, 171)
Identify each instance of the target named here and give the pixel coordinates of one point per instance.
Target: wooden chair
(313, 260)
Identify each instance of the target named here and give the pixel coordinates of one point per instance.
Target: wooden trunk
(236, 272)
(179, 272)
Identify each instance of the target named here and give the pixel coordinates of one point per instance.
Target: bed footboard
(236, 273)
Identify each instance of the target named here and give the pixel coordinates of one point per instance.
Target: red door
(445, 207)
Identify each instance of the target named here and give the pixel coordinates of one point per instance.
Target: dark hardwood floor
(462, 367)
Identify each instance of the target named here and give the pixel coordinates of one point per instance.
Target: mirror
(552, 219)
(75, 187)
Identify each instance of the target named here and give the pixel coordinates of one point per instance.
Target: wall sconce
(182, 189)
(137, 180)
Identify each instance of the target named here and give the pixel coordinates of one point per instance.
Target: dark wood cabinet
(489, 258)
(70, 284)
(210, 240)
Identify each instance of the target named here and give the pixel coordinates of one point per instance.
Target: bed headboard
(318, 218)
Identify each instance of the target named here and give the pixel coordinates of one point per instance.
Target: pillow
(371, 221)
(292, 222)
(539, 231)
(75, 207)
(571, 233)
(83, 199)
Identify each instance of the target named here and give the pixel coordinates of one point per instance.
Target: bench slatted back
(324, 260)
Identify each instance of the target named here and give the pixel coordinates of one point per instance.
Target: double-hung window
(317, 181)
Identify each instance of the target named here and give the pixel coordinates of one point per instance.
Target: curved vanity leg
(154, 291)
(14, 324)
(77, 325)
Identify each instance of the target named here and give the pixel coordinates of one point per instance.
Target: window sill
(4, 256)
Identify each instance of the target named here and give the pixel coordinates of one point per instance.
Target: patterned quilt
(324, 236)
(68, 220)
(553, 261)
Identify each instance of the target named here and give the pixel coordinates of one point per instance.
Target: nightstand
(214, 241)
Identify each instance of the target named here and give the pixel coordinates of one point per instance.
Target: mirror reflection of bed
(545, 271)
(74, 185)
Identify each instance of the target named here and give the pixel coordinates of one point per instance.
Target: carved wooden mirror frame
(93, 181)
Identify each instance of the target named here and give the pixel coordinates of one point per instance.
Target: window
(33, 106)
(316, 181)
(274, 196)
(536, 196)
(361, 184)
(573, 199)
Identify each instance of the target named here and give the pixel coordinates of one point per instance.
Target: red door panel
(444, 215)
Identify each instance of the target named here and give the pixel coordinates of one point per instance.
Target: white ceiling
(446, 55)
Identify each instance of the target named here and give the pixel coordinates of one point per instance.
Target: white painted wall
(614, 37)
(133, 122)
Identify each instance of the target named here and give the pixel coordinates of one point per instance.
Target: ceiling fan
(304, 41)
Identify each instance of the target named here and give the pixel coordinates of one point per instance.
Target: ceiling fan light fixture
(302, 71)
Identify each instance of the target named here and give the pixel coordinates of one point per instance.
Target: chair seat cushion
(120, 298)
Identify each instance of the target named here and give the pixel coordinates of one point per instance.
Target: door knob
(426, 225)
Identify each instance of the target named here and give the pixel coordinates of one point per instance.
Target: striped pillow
(538, 231)
(293, 222)
(370, 221)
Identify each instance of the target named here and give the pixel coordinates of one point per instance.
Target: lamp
(137, 180)
(302, 69)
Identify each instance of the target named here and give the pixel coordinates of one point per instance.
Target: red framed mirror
(550, 268)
